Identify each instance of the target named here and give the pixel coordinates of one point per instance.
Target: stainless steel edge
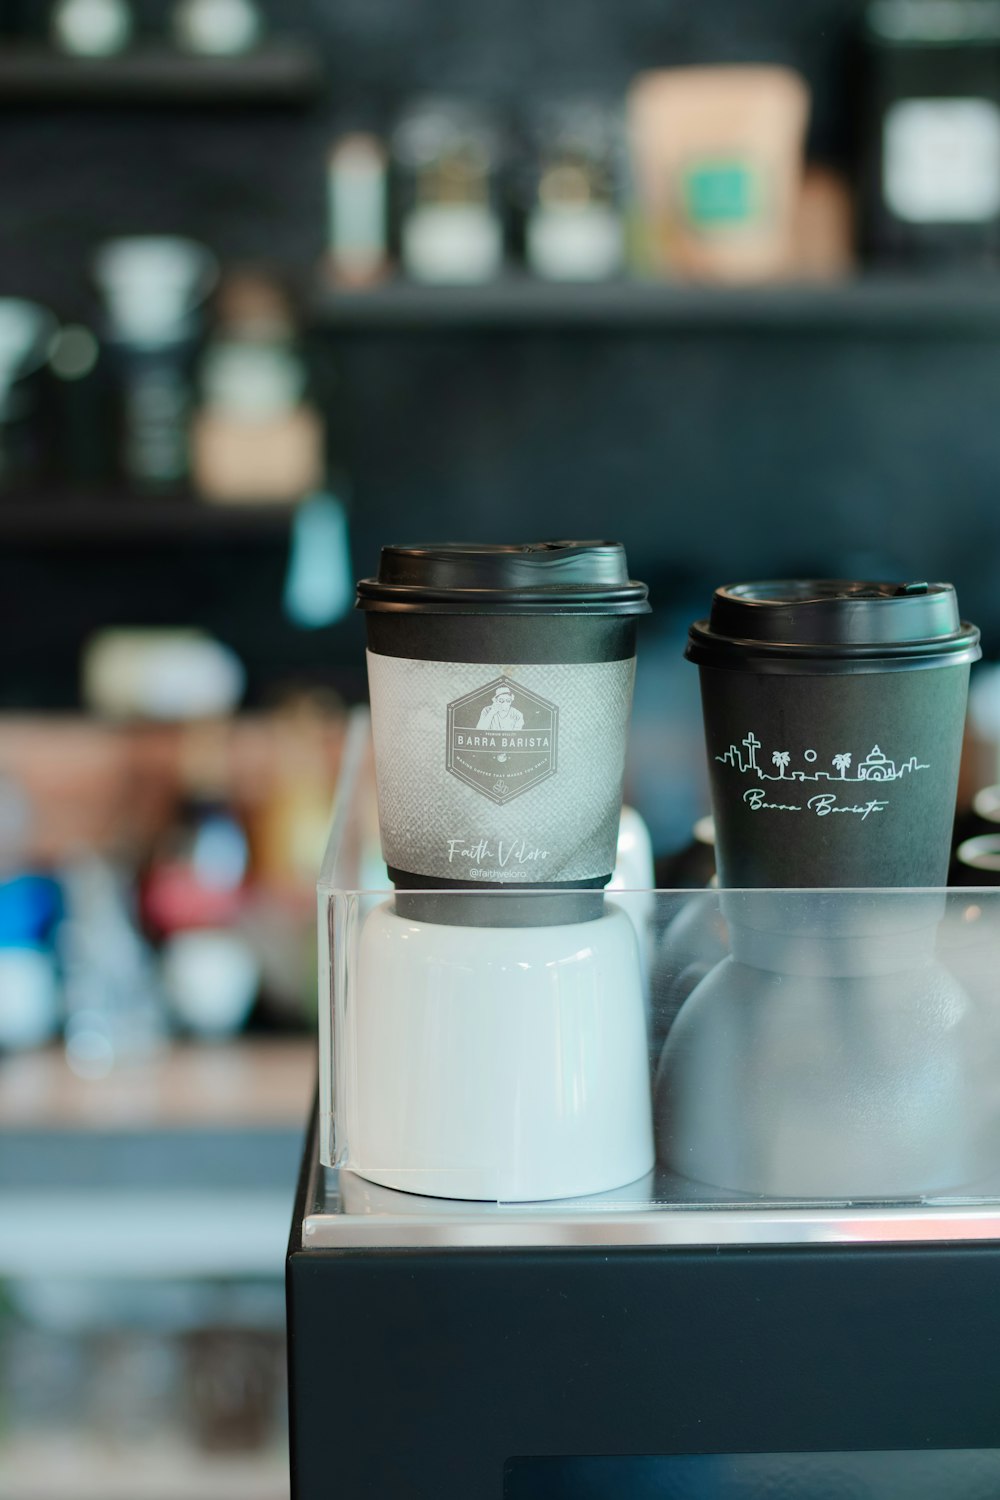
(426, 1223)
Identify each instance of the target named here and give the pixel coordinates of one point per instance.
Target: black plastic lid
(528, 578)
(832, 624)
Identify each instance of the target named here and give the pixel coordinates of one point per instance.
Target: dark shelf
(277, 73)
(877, 303)
(49, 521)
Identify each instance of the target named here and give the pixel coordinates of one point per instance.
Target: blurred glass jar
(931, 142)
(255, 437)
(91, 28)
(27, 331)
(154, 288)
(574, 229)
(448, 157)
(217, 28)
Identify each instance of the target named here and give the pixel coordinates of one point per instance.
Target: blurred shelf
(276, 73)
(66, 1469)
(151, 1233)
(182, 1167)
(49, 520)
(874, 303)
(250, 1083)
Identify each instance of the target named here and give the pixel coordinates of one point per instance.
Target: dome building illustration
(877, 767)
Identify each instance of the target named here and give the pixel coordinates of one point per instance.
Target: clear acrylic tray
(674, 1067)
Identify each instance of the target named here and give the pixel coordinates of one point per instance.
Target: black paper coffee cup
(834, 713)
(831, 1047)
(501, 686)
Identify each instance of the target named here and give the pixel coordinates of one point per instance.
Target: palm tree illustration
(842, 763)
(780, 758)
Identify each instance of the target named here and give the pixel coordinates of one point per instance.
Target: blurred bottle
(27, 331)
(291, 823)
(194, 894)
(824, 226)
(114, 1006)
(932, 131)
(256, 436)
(448, 156)
(574, 228)
(319, 580)
(233, 1377)
(30, 909)
(30, 906)
(288, 822)
(358, 207)
(154, 288)
(84, 402)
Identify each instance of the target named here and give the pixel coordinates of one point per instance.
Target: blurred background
(278, 284)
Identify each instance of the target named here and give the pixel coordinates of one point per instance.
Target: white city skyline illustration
(876, 766)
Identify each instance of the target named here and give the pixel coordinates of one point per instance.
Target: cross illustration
(753, 745)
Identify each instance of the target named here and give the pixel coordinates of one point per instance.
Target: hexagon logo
(502, 739)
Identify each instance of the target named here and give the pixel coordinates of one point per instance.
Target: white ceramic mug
(498, 1063)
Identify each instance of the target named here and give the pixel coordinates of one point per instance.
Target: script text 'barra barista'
(501, 685)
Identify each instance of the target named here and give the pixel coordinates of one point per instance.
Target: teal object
(721, 193)
(319, 584)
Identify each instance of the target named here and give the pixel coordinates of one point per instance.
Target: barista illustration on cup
(501, 713)
(502, 739)
(875, 767)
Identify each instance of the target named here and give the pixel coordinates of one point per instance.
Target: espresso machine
(639, 1349)
(631, 1194)
(664, 1338)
